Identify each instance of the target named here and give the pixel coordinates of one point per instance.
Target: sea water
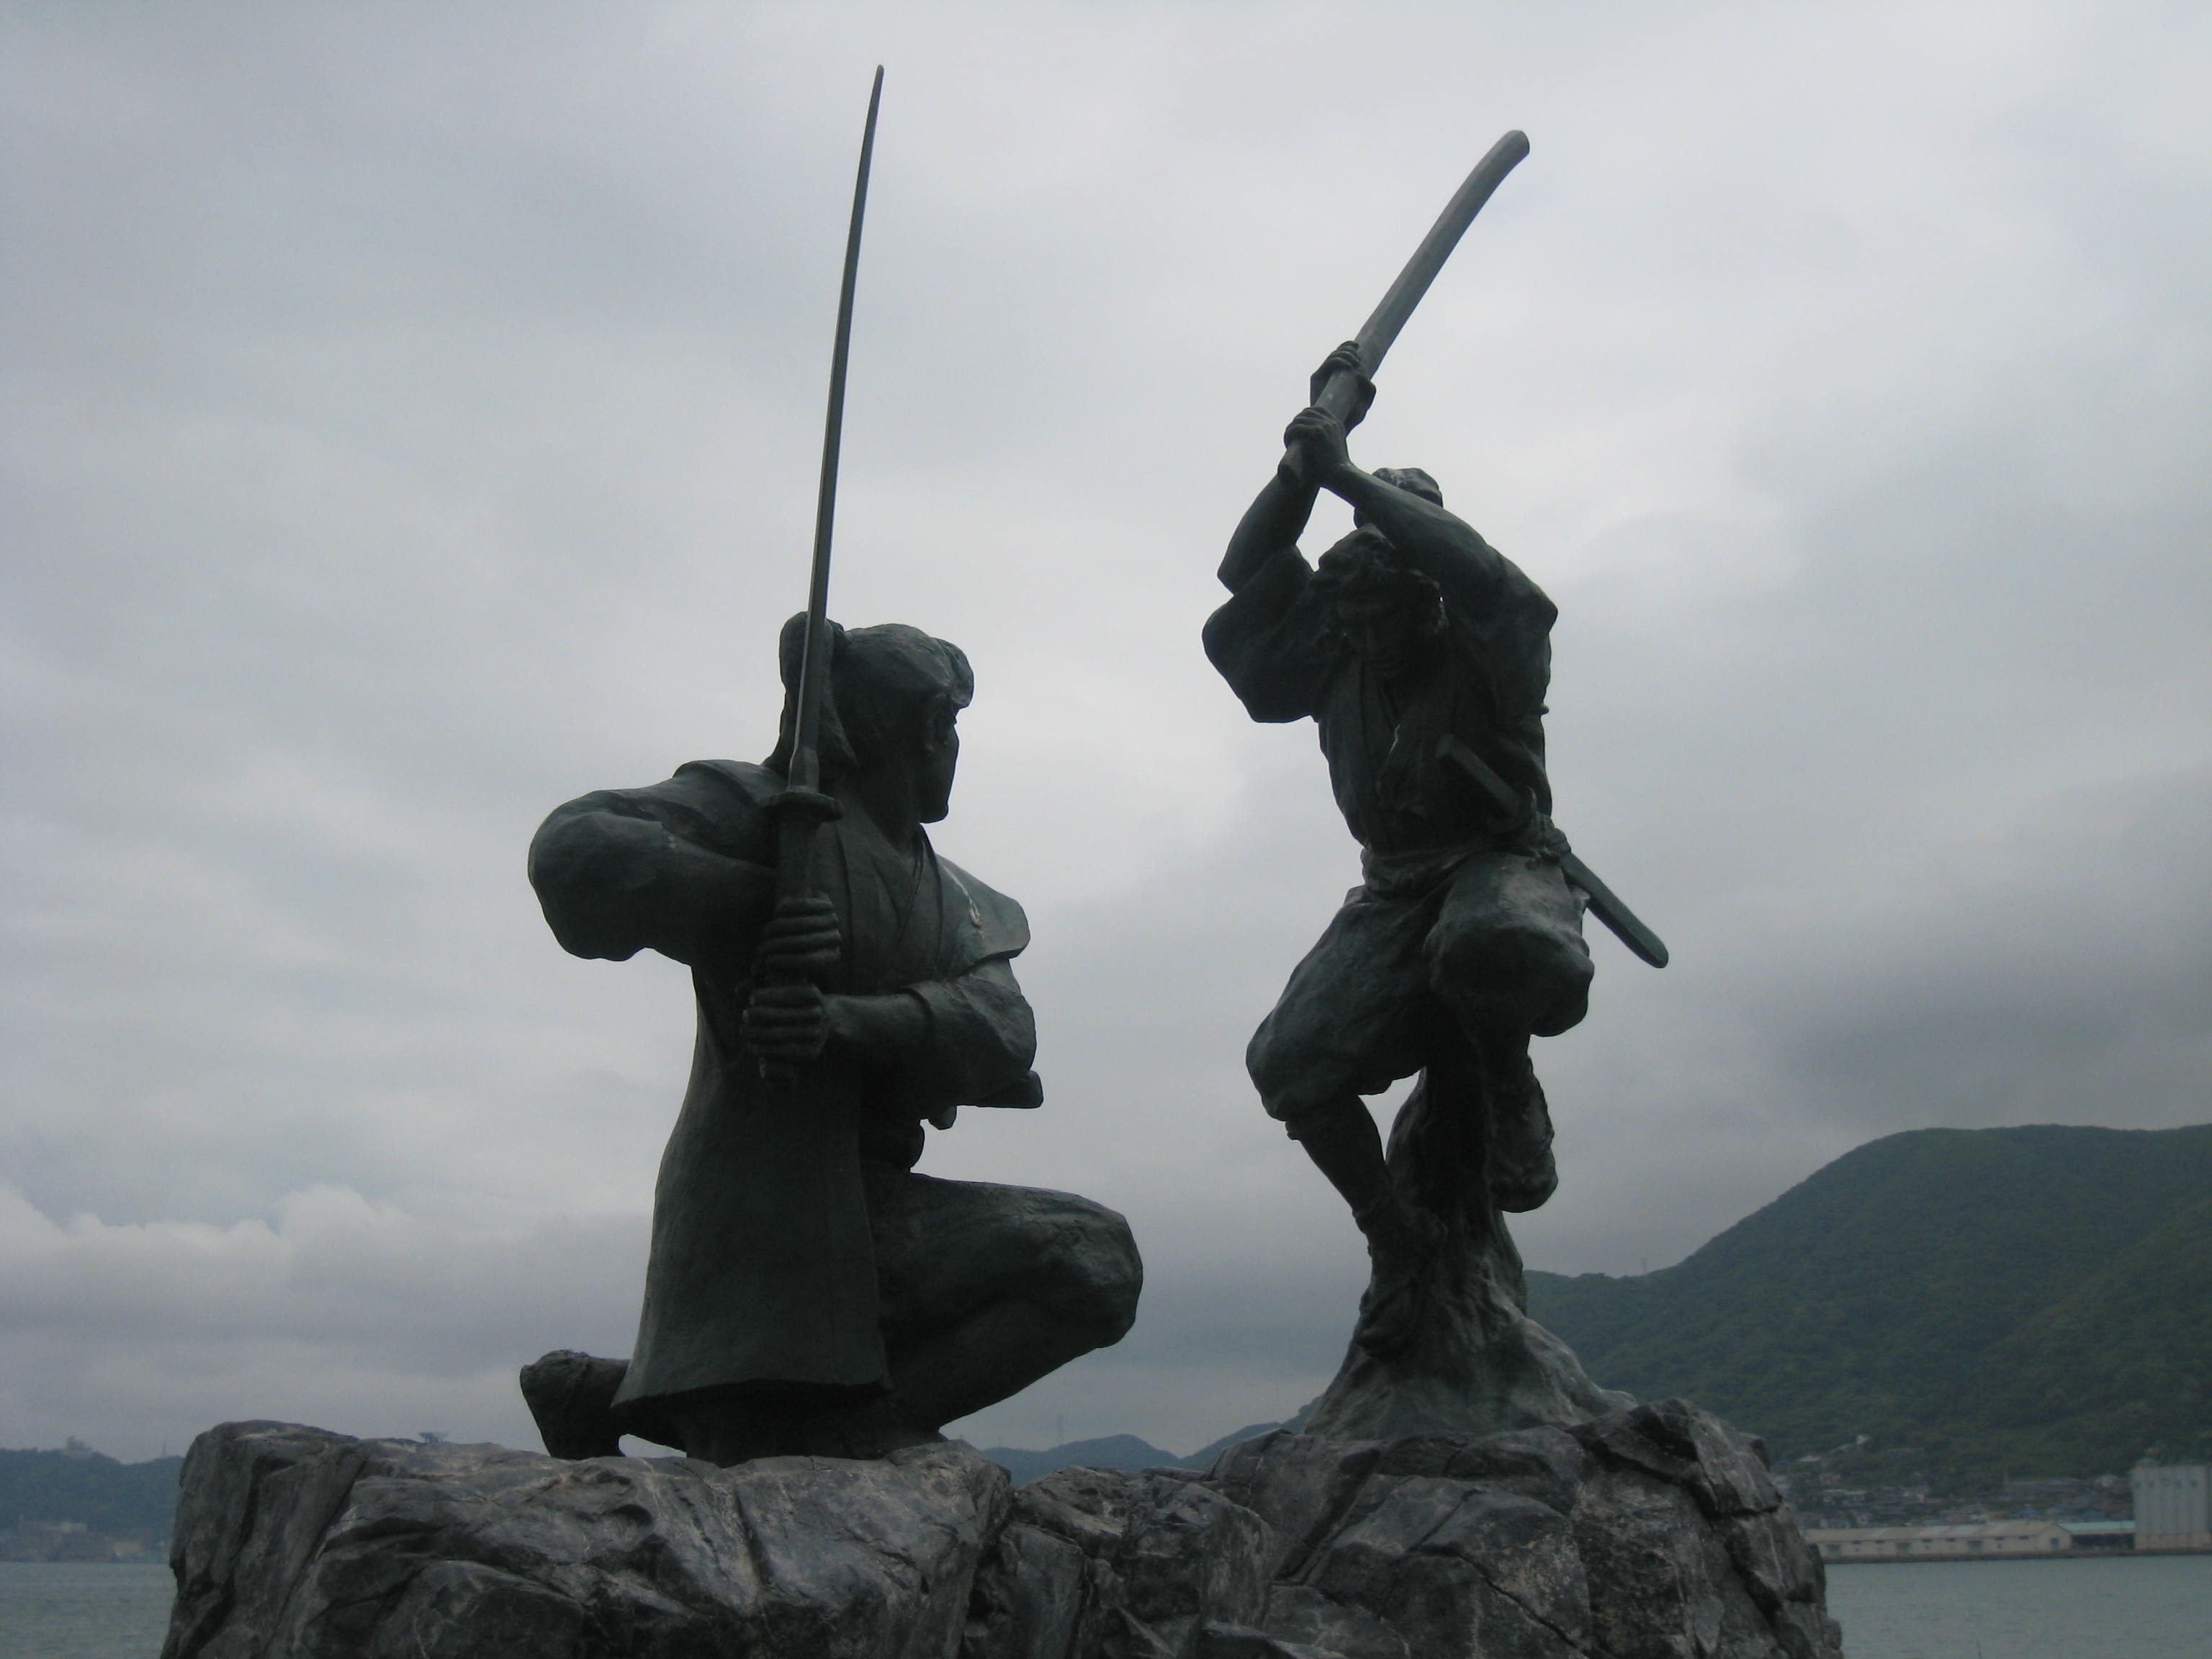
(2157, 1607)
(83, 1609)
(2120, 1607)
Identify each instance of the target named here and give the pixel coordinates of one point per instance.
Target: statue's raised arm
(1271, 526)
(1405, 508)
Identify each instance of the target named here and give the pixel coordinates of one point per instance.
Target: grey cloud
(411, 417)
(2058, 974)
(338, 1297)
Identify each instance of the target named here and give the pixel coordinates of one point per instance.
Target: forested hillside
(2036, 1299)
(122, 1500)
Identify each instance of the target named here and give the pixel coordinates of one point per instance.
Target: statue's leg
(1353, 1019)
(981, 1289)
(985, 1288)
(1340, 1138)
(1507, 959)
(1520, 1168)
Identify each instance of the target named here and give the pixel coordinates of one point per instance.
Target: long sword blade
(1379, 330)
(802, 809)
(814, 667)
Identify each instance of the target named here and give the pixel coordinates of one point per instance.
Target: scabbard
(1604, 904)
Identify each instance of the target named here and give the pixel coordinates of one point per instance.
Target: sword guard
(810, 805)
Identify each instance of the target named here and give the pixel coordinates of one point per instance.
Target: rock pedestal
(298, 1543)
(1651, 1531)
(1475, 1362)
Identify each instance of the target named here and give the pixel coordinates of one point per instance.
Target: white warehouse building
(1976, 1540)
(2173, 1506)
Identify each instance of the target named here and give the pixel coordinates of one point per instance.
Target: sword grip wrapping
(1340, 396)
(799, 816)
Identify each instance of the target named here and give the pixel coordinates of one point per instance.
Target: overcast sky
(411, 414)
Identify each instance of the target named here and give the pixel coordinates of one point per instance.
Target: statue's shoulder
(1271, 641)
(740, 781)
(1001, 923)
(722, 804)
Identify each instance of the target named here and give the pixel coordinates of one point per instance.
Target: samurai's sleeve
(981, 1043)
(1271, 642)
(982, 1035)
(684, 867)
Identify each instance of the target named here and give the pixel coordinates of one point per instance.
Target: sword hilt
(800, 814)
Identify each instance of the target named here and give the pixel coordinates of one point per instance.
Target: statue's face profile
(940, 759)
(897, 693)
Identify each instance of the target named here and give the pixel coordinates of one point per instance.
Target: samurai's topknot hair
(891, 687)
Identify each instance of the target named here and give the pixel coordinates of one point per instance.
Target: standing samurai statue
(807, 1292)
(1413, 646)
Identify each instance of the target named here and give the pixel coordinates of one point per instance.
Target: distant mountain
(1115, 1451)
(1204, 1456)
(1122, 1451)
(2038, 1299)
(121, 1499)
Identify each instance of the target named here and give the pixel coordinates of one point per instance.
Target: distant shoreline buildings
(74, 1541)
(2172, 1507)
(1978, 1541)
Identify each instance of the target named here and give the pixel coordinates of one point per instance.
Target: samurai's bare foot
(572, 1395)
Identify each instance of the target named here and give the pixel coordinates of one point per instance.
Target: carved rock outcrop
(1652, 1532)
(296, 1542)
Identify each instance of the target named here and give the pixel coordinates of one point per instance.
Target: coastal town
(2156, 1508)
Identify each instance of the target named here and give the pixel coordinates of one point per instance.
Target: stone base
(1653, 1531)
(295, 1543)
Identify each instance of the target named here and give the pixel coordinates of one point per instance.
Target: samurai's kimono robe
(763, 1278)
